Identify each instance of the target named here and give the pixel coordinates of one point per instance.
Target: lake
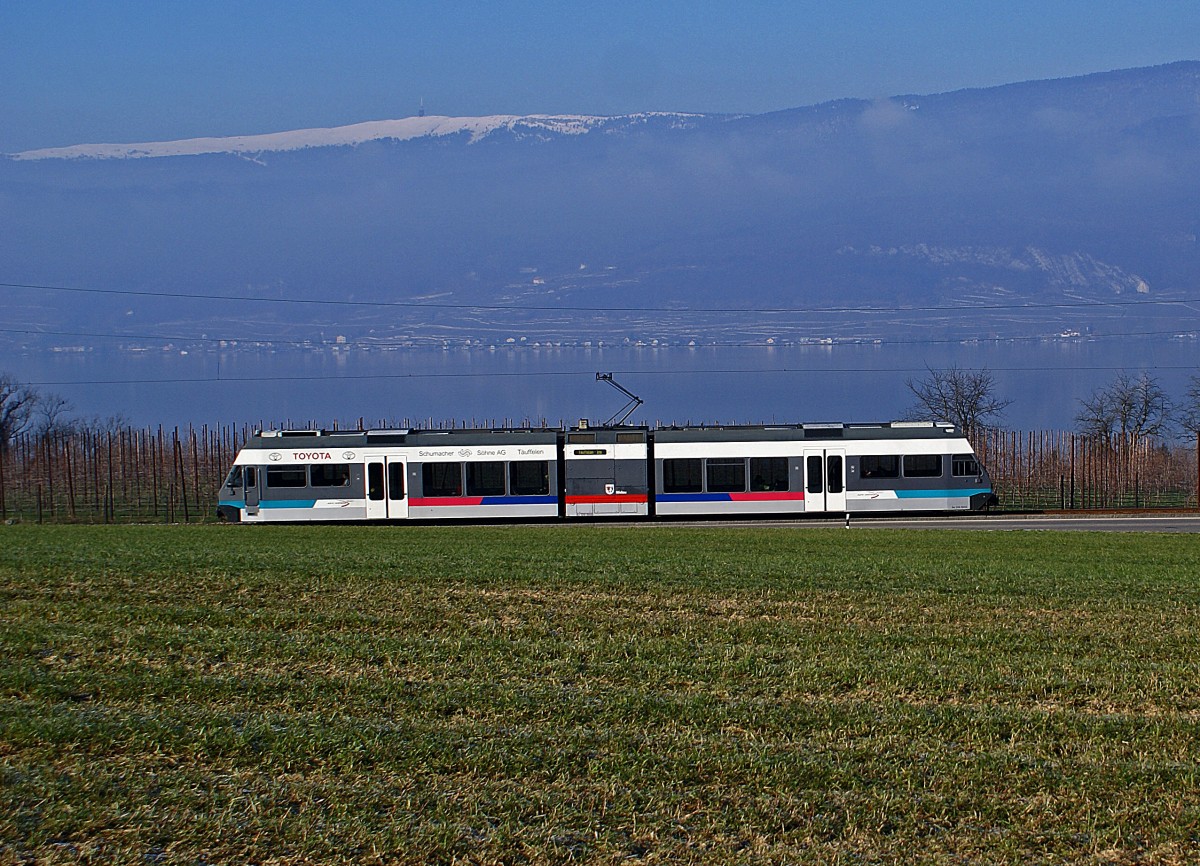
(851, 382)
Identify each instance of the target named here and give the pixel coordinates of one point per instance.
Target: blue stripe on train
(311, 503)
(520, 500)
(900, 494)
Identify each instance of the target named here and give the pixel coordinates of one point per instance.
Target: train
(584, 472)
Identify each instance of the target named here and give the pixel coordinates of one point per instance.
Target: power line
(563, 308)
(732, 344)
(200, 380)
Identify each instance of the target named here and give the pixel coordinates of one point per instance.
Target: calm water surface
(780, 384)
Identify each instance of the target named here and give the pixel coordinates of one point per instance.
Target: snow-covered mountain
(474, 129)
(1038, 206)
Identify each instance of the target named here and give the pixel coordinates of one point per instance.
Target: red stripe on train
(446, 500)
(767, 497)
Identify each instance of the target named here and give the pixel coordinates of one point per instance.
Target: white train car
(817, 469)
(580, 473)
(309, 475)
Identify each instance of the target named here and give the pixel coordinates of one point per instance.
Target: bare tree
(53, 411)
(101, 424)
(1189, 412)
(1132, 407)
(965, 398)
(17, 402)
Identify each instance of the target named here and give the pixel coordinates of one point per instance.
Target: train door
(824, 480)
(250, 480)
(387, 496)
(397, 493)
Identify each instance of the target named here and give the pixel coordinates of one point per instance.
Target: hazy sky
(74, 71)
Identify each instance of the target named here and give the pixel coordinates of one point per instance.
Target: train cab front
(231, 501)
(984, 498)
(984, 501)
(228, 513)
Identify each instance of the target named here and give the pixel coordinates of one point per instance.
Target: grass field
(597, 694)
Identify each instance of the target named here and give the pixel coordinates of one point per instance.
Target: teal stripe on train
(941, 494)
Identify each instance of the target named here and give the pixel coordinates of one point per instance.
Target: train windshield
(234, 479)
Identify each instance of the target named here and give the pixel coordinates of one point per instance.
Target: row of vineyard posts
(126, 475)
(1055, 470)
(156, 475)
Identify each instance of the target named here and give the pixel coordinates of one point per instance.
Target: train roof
(787, 432)
(549, 435)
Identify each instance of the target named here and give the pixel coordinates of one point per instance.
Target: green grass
(597, 694)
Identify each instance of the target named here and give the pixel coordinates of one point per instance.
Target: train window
(682, 475)
(726, 475)
(442, 479)
(330, 474)
(395, 481)
(631, 437)
(287, 476)
(768, 473)
(251, 477)
(922, 465)
(375, 481)
(962, 465)
(816, 474)
(529, 478)
(485, 478)
(581, 438)
(879, 466)
(835, 473)
(234, 478)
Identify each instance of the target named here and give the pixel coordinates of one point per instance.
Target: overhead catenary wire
(434, 342)
(573, 308)
(756, 371)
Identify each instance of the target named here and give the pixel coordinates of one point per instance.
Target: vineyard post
(49, 458)
(95, 440)
(153, 475)
(123, 450)
(1072, 471)
(112, 493)
(70, 476)
(108, 488)
(182, 475)
(195, 467)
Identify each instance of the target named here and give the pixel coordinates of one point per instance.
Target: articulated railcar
(581, 472)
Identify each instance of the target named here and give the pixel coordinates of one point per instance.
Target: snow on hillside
(527, 126)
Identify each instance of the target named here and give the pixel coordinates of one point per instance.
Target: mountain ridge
(531, 125)
(401, 129)
(1022, 209)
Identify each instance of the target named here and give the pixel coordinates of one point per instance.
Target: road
(1000, 523)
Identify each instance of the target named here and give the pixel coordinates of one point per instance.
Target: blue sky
(117, 71)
